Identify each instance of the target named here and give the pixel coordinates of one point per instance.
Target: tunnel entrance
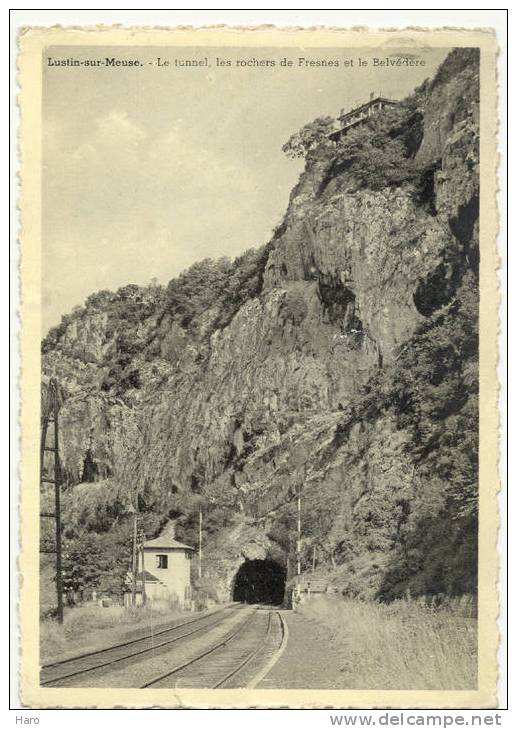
(260, 581)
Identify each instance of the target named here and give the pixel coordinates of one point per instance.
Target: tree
(309, 137)
(244, 282)
(83, 561)
(376, 153)
(99, 299)
(197, 289)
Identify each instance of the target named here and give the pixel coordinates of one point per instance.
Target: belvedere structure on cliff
(350, 119)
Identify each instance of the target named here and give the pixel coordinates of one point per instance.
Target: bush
(376, 153)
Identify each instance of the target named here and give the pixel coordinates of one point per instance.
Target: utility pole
(141, 542)
(134, 558)
(50, 415)
(287, 591)
(144, 594)
(299, 542)
(314, 558)
(57, 502)
(200, 550)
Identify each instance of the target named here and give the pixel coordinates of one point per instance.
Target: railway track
(57, 672)
(232, 662)
(225, 649)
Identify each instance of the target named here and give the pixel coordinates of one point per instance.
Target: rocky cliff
(339, 360)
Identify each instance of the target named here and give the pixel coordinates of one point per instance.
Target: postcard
(259, 339)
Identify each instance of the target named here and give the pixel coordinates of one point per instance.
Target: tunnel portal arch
(259, 581)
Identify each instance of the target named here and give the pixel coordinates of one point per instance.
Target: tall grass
(91, 625)
(404, 645)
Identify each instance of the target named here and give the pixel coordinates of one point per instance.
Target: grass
(91, 626)
(404, 645)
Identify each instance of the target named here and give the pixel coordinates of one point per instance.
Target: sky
(147, 170)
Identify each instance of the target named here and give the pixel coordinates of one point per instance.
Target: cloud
(85, 153)
(120, 156)
(117, 127)
(128, 205)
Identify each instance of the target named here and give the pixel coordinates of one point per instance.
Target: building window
(162, 561)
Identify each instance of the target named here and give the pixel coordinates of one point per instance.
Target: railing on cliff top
(361, 114)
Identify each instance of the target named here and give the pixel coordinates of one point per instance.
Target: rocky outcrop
(248, 413)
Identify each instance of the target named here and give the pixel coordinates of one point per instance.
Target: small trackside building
(306, 587)
(164, 569)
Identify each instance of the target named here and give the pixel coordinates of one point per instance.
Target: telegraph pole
(144, 594)
(141, 553)
(288, 592)
(299, 542)
(313, 558)
(134, 556)
(57, 502)
(50, 415)
(200, 550)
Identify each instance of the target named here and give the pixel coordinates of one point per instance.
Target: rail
(204, 619)
(239, 658)
(225, 657)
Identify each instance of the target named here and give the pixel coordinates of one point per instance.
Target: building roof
(161, 543)
(140, 580)
(344, 117)
(147, 576)
(166, 540)
(313, 584)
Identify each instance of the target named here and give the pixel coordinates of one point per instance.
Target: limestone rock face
(84, 339)
(356, 246)
(249, 413)
(450, 98)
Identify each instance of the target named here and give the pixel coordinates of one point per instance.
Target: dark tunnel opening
(260, 581)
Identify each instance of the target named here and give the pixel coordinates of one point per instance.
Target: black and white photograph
(262, 315)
